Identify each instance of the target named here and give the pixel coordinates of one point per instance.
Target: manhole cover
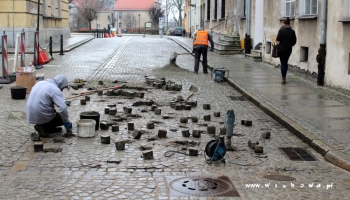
(297, 154)
(279, 178)
(237, 98)
(201, 187)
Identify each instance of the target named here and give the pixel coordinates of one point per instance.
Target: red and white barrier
(22, 49)
(4, 54)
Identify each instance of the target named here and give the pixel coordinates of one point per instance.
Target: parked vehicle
(178, 31)
(170, 31)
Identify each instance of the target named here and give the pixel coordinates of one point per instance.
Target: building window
(215, 9)
(223, 2)
(346, 12)
(268, 47)
(308, 7)
(304, 54)
(287, 8)
(208, 9)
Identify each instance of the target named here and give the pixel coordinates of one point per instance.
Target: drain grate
(237, 98)
(201, 187)
(297, 154)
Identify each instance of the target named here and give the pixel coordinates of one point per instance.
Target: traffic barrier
(22, 49)
(43, 57)
(106, 35)
(4, 54)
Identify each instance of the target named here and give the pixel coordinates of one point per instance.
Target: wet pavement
(84, 168)
(318, 114)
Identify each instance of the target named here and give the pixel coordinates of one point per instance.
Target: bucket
(18, 92)
(91, 115)
(86, 128)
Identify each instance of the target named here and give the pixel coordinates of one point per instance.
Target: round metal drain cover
(279, 178)
(201, 186)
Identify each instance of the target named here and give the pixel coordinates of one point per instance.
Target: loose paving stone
(150, 125)
(186, 133)
(82, 102)
(130, 126)
(115, 128)
(196, 133)
(38, 146)
(105, 139)
(183, 119)
(120, 145)
(162, 133)
(157, 111)
(194, 119)
(211, 129)
(193, 152)
(206, 117)
(137, 134)
(206, 106)
(147, 155)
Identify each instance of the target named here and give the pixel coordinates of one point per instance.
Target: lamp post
(120, 24)
(139, 23)
(36, 42)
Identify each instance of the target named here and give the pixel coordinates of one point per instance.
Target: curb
(335, 157)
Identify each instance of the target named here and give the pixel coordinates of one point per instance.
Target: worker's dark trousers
(198, 52)
(51, 125)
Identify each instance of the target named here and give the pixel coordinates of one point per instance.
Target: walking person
(200, 47)
(40, 107)
(287, 39)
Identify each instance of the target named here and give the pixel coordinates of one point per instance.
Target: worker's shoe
(196, 71)
(55, 130)
(41, 131)
(205, 71)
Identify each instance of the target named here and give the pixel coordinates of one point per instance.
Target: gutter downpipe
(321, 57)
(247, 40)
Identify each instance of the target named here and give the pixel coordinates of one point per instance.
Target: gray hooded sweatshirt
(42, 99)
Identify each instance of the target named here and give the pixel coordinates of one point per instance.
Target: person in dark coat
(287, 39)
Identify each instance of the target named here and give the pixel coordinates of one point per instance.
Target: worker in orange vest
(200, 47)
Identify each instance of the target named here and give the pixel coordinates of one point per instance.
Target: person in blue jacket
(40, 107)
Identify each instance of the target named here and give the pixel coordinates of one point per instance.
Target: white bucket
(86, 128)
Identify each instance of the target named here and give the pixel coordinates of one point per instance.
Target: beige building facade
(18, 16)
(266, 18)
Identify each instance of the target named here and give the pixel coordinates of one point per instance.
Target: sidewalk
(69, 43)
(320, 116)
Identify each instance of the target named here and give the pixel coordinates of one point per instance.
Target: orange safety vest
(201, 38)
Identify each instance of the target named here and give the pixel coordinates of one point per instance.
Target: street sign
(148, 24)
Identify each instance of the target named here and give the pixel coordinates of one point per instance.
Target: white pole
(16, 53)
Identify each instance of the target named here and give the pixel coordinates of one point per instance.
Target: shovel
(175, 54)
(193, 89)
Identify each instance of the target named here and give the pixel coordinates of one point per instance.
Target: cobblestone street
(87, 169)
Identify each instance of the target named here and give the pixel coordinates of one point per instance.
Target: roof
(133, 4)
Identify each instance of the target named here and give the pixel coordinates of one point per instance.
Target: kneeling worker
(40, 107)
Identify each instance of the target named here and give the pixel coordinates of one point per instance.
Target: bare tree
(179, 4)
(112, 19)
(88, 9)
(167, 7)
(155, 13)
(129, 19)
